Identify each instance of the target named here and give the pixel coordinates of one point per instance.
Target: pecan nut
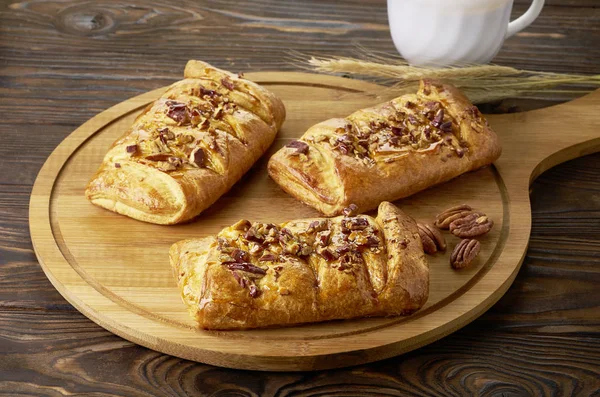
(471, 225)
(464, 253)
(432, 238)
(444, 219)
(351, 210)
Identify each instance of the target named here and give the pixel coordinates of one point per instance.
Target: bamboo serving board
(116, 271)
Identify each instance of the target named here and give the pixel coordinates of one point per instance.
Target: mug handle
(525, 20)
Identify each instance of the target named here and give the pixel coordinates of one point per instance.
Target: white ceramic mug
(454, 32)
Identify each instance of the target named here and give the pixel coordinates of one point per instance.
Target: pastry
(188, 147)
(257, 275)
(386, 152)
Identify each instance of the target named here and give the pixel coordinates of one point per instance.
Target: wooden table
(64, 61)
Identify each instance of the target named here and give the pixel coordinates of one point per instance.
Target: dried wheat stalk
(481, 83)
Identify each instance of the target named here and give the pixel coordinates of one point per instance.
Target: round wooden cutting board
(116, 270)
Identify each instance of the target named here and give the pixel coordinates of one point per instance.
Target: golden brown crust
(408, 272)
(188, 147)
(387, 152)
(307, 270)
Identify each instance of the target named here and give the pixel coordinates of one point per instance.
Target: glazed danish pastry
(188, 147)
(386, 152)
(256, 275)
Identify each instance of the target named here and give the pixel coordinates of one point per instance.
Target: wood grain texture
(52, 81)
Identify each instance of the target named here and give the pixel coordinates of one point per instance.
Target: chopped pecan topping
(446, 127)
(255, 248)
(218, 113)
(432, 105)
(305, 250)
(262, 233)
(349, 259)
(268, 258)
(247, 267)
(346, 139)
(420, 125)
(165, 135)
(301, 147)
(323, 237)
(158, 157)
(285, 236)
(446, 217)
(254, 291)
(214, 145)
(373, 241)
(342, 249)
(292, 247)
(464, 253)
(238, 262)
(117, 165)
(432, 238)
(199, 121)
(210, 93)
(198, 157)
(351, 143)
(289, 243)
(327, 254)
(253, 235)
(242, 281)
(240, 255)
(317, 226)
(350, 210)
(438, 119)
(176, 161)
(355, 223)
(398, 131)
(367, 241)
(131, 149)
(177, 111)
(227, 83)
(471, 225)
(427, 133)
(196, 118)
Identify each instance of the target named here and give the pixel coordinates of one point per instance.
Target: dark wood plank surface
(63, 61)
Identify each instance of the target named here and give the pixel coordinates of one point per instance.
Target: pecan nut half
(432, 238)
(472, 225)
(464, 253)
(444, 219)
